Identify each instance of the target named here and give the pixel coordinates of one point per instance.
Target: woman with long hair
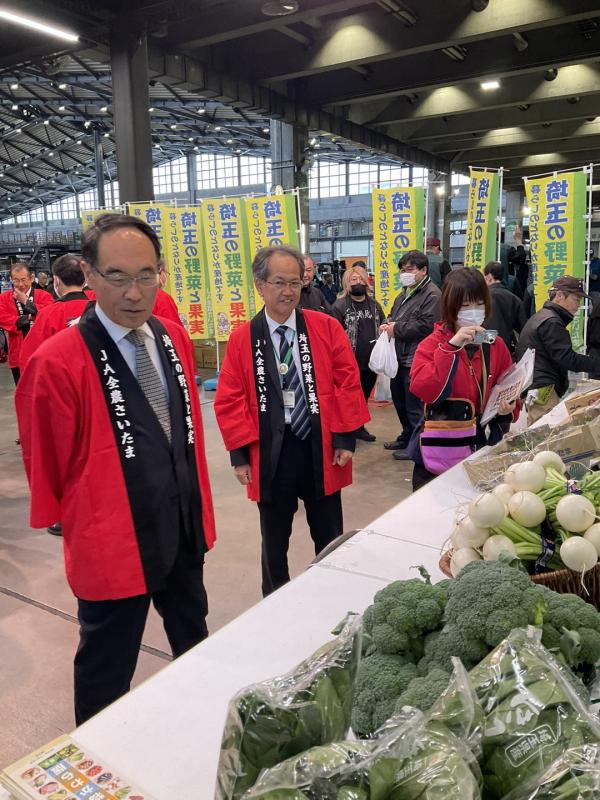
(453, 373)
(360, 315)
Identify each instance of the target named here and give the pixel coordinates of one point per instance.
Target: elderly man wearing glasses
(113, 446)
(289, 403)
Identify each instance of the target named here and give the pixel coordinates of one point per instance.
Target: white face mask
(408, 279)
(471, 316)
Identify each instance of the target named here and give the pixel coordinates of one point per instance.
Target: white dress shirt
(127, 349)
(276, 339)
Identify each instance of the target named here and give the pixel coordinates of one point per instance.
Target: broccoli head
(402, 613)
(441, 646)
(489, 598)
(422, 692)
(570, 613)
(380, 680)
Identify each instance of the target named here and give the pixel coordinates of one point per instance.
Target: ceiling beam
(574, 81)
(559, 132)
(422, 132)
(551, 47)
(371, 36)
(202, 30)
(537, 162)
(576, 144)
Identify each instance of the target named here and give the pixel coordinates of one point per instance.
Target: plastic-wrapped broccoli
(272, 721)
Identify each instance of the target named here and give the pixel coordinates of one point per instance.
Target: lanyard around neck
(283, 367)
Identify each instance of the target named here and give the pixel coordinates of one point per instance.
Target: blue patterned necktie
(149, 381)
(300, 420)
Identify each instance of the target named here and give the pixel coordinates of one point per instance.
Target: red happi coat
(166, 307)
(50, 320)
(75, 471)
(342, 407)
(9, 315)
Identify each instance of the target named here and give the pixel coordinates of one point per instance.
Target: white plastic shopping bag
(383, 391)
(383, 359)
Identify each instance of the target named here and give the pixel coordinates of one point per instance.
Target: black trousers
(408, 407)
(16, 373)
(368, 380)
(111, 633)
(293, 480)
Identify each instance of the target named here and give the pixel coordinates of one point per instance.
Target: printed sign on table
(398, 221)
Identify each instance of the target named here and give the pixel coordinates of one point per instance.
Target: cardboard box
(584, 400)
(486, 471)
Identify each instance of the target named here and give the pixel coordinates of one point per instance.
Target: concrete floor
(38, 628)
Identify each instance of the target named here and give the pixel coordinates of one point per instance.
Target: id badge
(289, 399)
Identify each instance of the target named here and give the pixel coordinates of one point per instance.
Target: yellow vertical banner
(398, 222)
(227, 260)
(156, 215)
(557, 234)
(89, 217)
(271, 220)
(482, 213)
(187, 267)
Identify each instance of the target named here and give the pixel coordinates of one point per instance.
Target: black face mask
(358, 290)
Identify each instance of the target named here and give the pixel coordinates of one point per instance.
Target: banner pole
(588, 241)
(427, 185)
(499, 217)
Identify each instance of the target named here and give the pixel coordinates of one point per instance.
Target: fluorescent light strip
(42, 27)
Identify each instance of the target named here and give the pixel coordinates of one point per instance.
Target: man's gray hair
(260, 265)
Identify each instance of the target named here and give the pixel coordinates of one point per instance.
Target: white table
(165, 735)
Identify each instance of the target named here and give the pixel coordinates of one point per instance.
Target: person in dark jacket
(361, 317)
(506, 306)
(414, 313)
(328, 289)
(312, 297)
(546, 332)
(439, 268)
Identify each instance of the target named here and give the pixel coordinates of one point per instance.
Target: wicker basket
(564, 581)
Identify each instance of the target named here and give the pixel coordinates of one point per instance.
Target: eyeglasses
(281, 284)
(120, 281)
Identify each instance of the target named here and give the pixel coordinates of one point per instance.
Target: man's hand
(243, 474)
(341, 457)
(387, 327)
(20, 296)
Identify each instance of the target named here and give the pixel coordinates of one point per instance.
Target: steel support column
(129, 64)
(289, 166)
(99, 161)
(447, 200)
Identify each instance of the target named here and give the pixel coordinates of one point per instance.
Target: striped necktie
(300, 419)
(149, 380)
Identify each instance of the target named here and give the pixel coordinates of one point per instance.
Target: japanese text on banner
(398, 220)
(482, 213)
(187, 267)
(271, 220)
(89, 217)
(227, 261)
(557, 207)
(156, 215)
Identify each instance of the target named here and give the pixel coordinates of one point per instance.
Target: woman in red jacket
(450, 366)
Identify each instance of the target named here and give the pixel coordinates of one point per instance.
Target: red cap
(432, 242)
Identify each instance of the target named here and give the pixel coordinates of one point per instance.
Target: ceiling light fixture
(46, 122)
(202, 111)
(14, 86)
(279, 8)
(62, 108)
(106, 135)
(151, 109)
(25, 164)
(62, 86)
(217, 127)
(313, 142)
(266, 130)
(15, 107)
(51, 152)
(229, 141)
(104, 109)
(36, 25)
(87, 124)
(489, 85)
(173, 127)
